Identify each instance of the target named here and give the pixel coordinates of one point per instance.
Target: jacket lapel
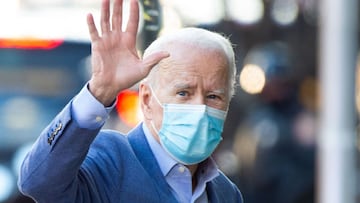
(211, 193)
(144, 154)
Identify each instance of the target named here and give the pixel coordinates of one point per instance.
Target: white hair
(201, 38)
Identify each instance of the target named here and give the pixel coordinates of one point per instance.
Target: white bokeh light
(7, 183)
(19, 157)
(252, 78)
(284, 12)
(21, 118)
(245, 11)
(199, 11)
(171, 20)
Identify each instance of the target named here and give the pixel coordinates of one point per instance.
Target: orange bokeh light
(29, 43)
(128, 108)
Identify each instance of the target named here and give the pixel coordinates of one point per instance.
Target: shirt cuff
(88, 112)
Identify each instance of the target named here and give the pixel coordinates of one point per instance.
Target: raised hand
(115, 62)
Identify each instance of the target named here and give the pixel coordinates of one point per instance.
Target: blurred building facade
(270, 134)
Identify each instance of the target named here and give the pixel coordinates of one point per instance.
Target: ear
(145, 96)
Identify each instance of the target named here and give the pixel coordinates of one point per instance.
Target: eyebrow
(188, 86)
(182, 86)
(219, 91)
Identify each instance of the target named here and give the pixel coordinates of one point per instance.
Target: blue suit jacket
(70, 164)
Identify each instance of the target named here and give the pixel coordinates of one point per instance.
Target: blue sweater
(70, 164)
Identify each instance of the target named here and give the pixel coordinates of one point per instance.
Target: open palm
(116, 64)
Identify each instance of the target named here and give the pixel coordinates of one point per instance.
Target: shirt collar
(207, 170)
(166, 162)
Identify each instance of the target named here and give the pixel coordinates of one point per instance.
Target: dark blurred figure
(20, 199)
(275, 145)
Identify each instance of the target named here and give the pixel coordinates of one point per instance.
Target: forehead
(189, 63)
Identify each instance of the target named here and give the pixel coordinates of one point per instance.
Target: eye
(182, 93)
(213, 96)
(216, 100)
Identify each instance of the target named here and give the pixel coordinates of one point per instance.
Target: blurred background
(269, 149)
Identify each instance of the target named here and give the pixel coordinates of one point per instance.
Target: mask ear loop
(158, 101)
(154, 128)
(156, 98)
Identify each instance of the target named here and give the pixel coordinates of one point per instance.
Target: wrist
(103, 94)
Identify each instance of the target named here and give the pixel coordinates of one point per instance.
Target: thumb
(150, 61)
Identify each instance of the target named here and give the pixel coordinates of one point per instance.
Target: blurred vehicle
(37, 78)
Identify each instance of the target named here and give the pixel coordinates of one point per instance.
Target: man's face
(190, 76)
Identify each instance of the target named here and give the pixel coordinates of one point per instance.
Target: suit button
(98, 118)
(59, 126)
(51, 136)
(181, 169)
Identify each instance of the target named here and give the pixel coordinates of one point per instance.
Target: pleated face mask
(190, 133)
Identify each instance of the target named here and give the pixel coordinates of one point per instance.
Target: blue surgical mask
(190, 133)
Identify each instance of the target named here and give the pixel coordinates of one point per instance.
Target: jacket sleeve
(51, 171)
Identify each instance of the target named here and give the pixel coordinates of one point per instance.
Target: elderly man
(186, 83)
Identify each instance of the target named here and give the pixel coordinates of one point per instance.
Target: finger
(132, 25)
(94, 35)
(153, 59)
(117, 15)
(105, 15)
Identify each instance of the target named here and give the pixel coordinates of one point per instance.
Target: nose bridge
(199, 99)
